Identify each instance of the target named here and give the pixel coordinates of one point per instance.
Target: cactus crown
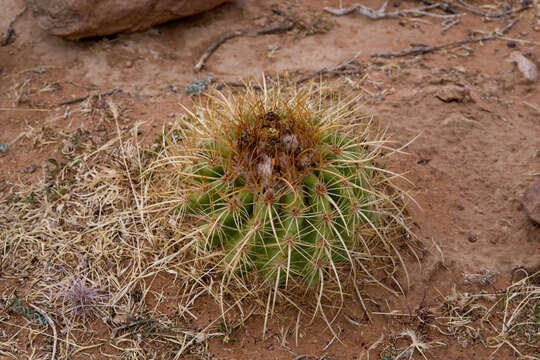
(285, 184)
(272, 148)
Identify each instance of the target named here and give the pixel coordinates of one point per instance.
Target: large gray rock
(531, 201)
(75, 19)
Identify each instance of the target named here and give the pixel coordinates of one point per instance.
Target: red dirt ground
(469, 164)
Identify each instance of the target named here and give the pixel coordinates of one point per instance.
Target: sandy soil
(475, 150)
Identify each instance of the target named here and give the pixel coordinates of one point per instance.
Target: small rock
(200, 337)
(75, 19)
(261, 22)
(39, 70)
(531, 201)
(29, 169)
(453, 93)
(458, 119)
(273, 50)
(129, 64)
(484, 277)
(526, 66)
(4, 148)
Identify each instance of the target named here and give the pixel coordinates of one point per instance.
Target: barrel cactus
(285, 184)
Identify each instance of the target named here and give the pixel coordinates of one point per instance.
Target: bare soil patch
(474, 117)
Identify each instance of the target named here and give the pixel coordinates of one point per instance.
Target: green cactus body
(282, 186)
(281, 231)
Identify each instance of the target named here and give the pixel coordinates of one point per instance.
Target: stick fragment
(53, 327)
(288, 25)
(449, 25)
(421, 50)
(77, 100)
(487, 15)
(382, 14)
(336, 69)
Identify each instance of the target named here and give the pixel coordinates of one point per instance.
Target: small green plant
(227, 332)
(31, 197)
(13, 199)
(57, 167)
(536, 315)
(198, 86)
(18, 308)
(79, 137)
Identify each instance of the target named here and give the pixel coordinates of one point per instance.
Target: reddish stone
(531, 201)
(75, 19)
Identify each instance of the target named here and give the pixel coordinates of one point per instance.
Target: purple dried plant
(79, 297)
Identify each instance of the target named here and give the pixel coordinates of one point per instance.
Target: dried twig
(488, 16)
(133, 324)
(288, 25)
(421, 50)
(341, 69)
(443, 6)
(336, 336)
(375, 345)
(382, 14)
(17, 109)
(10, 31)
(450, 24)
(77, 100)
(51, 323)
(532, 106)
(335, 70)
(521, 41)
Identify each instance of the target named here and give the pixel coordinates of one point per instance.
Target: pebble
(29, 169)
(526, 66)
(451, 93)
(39, 70)
(531, 201)
(4, 148)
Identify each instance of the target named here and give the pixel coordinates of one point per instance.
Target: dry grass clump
(509, 318)
(87, 246)
(519, 327)
(81, 247)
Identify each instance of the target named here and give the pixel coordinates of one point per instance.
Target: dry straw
(110, 221)
(506, 319)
